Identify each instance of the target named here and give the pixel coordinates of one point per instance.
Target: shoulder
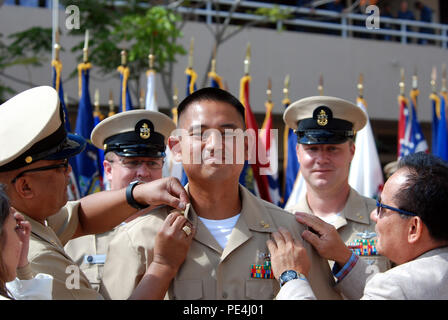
(141, 230)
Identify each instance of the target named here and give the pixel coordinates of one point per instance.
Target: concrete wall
(302, 55)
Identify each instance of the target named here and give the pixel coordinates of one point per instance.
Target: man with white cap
(34, 168)
(134, 144)
(326, 127)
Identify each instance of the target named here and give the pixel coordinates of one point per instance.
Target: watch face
(288, 275)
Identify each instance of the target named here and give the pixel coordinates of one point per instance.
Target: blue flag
(125, 96)
(442, 139)
(291, 163)
(87, 161)
(72, 188)
(414, 141)
(190, 88)
(435, 104)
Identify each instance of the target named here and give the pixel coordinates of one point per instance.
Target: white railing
(346, 23)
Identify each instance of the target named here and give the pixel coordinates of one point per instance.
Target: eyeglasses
(54, 166)
(380, 205)
(134, 164)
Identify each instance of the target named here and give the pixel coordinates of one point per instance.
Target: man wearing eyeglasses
(134, 144)
(326, 128)
(411, 224)
(35, 170)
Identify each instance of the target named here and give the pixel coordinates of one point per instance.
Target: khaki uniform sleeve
(66, 221)
(125, 265)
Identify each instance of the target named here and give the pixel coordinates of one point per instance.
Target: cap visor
(74, 144)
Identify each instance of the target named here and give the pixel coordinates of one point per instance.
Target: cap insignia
(145, 131)
(322, 118)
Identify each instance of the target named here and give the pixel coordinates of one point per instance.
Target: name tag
(95, 258)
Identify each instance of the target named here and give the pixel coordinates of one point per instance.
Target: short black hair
(212, 94)
(426, 192)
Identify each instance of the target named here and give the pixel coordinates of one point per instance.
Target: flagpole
(320, 87)
(55, 24)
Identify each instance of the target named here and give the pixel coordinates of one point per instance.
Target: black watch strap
(130, 198)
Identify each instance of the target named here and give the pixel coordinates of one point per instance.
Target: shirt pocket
(261, 289)
(188, 289)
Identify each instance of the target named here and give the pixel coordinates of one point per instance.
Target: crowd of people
(151, 238)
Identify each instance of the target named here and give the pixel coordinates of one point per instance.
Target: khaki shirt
(47, 255)
(209, 271)
(354, 224)
(89, 253)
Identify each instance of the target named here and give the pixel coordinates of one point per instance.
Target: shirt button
(89, 259)
(224, 295)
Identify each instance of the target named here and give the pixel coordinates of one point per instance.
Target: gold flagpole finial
(434, 79)
(286, 87)
(190, 55)
(85, 50)
(269, 89)
(401, 84)
(57, 46)
(320, 87)
(111, 103)
(124, 57)
(443, 78)
(151, 58)
(361, 85)
(247, 60)
(415, 80)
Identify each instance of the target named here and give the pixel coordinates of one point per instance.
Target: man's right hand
(326, 239)
(166, 191)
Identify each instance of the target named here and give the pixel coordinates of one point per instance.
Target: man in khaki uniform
(228, 258)
(134, 144)
(34, 168)
(411, 224)
(325, 127)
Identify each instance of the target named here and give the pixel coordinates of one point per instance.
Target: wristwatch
(290, 275)
(130, 198)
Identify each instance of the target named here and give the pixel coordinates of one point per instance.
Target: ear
(108, 170)
(175, 147)
(415, 229)
(352, 149)
(24, 188)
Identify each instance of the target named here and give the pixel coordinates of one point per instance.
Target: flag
(270, 143)
(151, 102)
(87, 161)
(435, 108)
(366, 174)
(72, 188)
(190, 88)
(413, 140)
(403, 122)
(125, 96)
(442, 139)
(215, 80)
(97, 118)
(191, 81)
(262, 186)
(291, 164)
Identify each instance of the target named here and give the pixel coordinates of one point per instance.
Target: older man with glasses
(134, 143)
(411, 225)
(35, 172)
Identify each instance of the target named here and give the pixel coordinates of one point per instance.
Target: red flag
(262, 181)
